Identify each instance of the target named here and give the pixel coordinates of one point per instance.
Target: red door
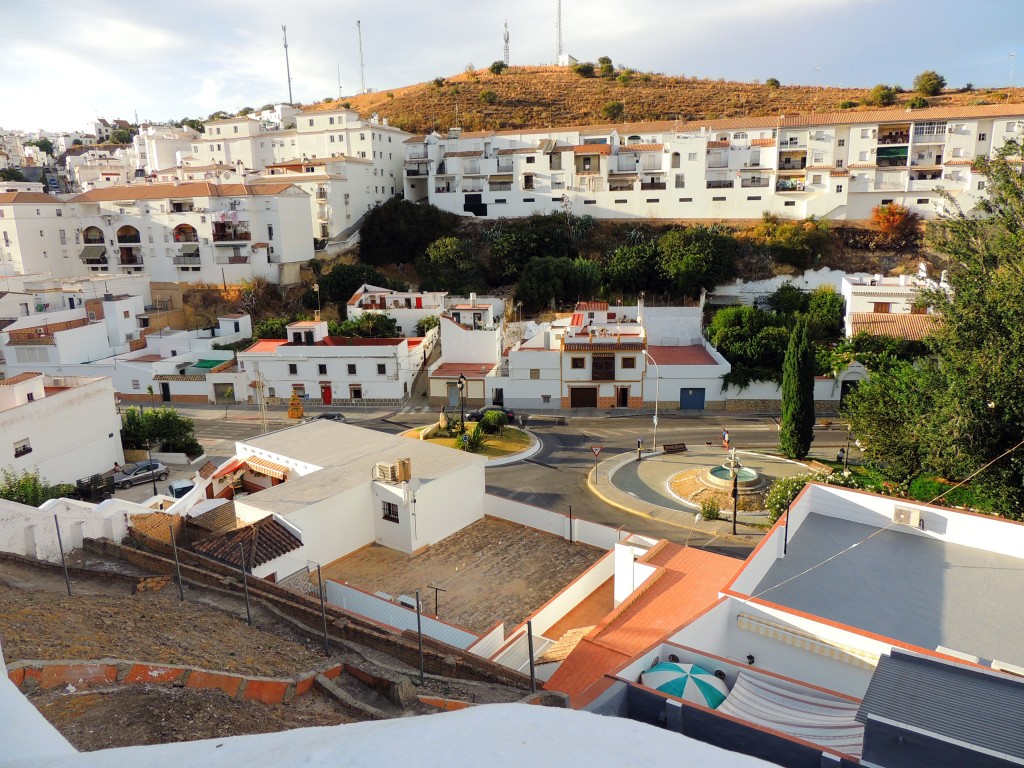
(325, 393)
(419, 302)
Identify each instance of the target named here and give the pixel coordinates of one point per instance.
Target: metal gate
(691, 399)
(583, 397)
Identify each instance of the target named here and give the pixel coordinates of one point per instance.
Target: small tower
(506, 42)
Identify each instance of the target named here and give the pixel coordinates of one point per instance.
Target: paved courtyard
(491, 571)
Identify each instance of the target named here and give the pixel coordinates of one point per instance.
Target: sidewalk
(277, 414)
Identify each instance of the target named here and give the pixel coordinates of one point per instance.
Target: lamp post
(462, 401)
(316, 290)
(657, 396)
(149, 452)
(846, 455)
(735, 475)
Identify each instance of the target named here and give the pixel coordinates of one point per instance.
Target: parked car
(479, 413)
(178, 488)
(338, 417)
(133, 474)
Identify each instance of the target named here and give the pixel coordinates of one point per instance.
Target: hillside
(540, 97)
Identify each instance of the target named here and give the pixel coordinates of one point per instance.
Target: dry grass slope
(541, 97)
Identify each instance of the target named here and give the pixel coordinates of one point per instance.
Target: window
(22, 447)
(790, 203)
(685, 199)
(839, 187)
(126, 314)
(958, 152)
(629, 362)
(680, 181)
(981, 185)
(351, 369)
(321, 369)
(692, 157)
(311, 122)
(545, 398)
(381, 369)
(270, 231)
(531, 160)
(922, 201)
(753, 197)
(603, 368)
(135, 384)
(63, 237)
(881, 308)
(841, 142)
(651, 200)
(717, 199)
(865, 133)
(535, 373)
(982, 136)
(887, 201)
(579, 363)
(293, 368)
(816, 178)
(390, 511)
(60, 213)
(271, 392)
(839, 163)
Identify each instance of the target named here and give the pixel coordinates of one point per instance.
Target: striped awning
(807, 642)
(228, 468)
(268, 468)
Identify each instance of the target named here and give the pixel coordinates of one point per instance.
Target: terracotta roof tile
(261, 541)
(26, 198)
(900, 326)
(641, 147)
(469, 370)
(468, 153)
(688, 355)
(718, 144)
(186, 189)
(206, 471)
(19, 378)
(592, 149)
(762, 142)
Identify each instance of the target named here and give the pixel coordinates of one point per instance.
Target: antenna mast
(287, 66)
(339, 82)
(506, 43)
(558, 32)
(362, 67)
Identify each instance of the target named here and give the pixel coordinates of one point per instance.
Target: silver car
(133, 474)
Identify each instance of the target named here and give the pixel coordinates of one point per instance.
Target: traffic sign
(596, 449)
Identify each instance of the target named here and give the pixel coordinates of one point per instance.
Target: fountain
(747, 480)
(716, 482)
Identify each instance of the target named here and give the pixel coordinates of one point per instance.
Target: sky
(68, 63)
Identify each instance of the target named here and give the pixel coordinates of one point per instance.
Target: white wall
(459, 345)
(449, 503)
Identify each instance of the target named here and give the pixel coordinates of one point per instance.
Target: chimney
(903, 279)
(472, 299)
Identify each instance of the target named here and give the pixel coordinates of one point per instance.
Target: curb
(530, 452)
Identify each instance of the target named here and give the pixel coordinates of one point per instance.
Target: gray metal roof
(963, 703)
(905, 586)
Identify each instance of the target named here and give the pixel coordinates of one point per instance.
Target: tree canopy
(796, 426)
(929, 83)
(398, 231)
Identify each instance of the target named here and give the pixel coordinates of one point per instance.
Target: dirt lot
(104, 619)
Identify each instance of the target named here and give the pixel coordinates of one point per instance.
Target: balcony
(187, 261)
(785, 185)
(186, 237)
(655, 185)
(720, 184)
(792, 144)
(900, 137)
(239, 259)
(93, 240)
(228, 233)
(417, 155)
(754, 182)
(718, 163)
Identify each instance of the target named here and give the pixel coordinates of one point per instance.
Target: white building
(161, 146)
(97, 168)
(67, 427)
(886, 305)
(38, 233)
(335, 370)
(343, 487)
(407, 308)
(836, 166)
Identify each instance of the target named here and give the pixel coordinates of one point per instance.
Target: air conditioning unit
(57, 381)
(907, 516)
(384, 471)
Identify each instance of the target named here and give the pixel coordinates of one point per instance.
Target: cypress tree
(796, 429)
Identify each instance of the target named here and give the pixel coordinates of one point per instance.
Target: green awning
(892, 152)
(93, 252)
(208, 363)
(190, 249)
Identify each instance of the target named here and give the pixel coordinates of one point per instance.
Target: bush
(607, 69)
(498, 67)
(163, 427)
(488, 97)
(782, 493)
(584, 69)
(710, 509)
(918, 102)
(847, 104)
(612, 110)
(472, 442)
(771, 82)
(928, 488)
(494, 422)
(880, 96)
(929, 83)
(896, 226)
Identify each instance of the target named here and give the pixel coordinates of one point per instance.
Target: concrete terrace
(492, 571)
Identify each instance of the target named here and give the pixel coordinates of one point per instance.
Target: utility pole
(362, 65)
(558, 31)
(287, 65)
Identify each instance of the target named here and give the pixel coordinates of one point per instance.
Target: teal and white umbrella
(686, 681)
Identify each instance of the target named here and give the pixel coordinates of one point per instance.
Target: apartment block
(835, 165)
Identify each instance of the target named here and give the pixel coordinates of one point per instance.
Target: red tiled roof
(468, 153)
(900, 326)
(762, 142)
(685, 583)
(469, 370)
(592, 149)
(591, 306)
(689, 355)
(351, 341)
(266, 345)
(261, 541)
(27, 198)
(718, 144)
(415, 342)
(187, 189)
(146, 359)
(959, 161)
(19, 378)
(641, 148)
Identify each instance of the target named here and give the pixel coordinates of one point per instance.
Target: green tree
(752, 340)
(918, 102)
(44, 144)
(929, 83)
(584, 69)
(588, 277)
(880, 96)
(244, 111)
(787, 299)
(369, 325)
(27, 487)
(120, 136)
(427, 324)
(163, 427)
(697, 258)
(339, 284)
(12, 174)
(398, 231)
(488, 97)
(76, 143)
(612, 110)
(494, 422)
(220, 114)
(498, 67)
(633, 268)
(272, 328)
(825, 313)
(545, 281)
(772, 82)
(605, 66)
(796, 427)
(448, 265)
(194, 123)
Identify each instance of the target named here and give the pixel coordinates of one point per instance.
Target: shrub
(494, 422)
(847, 104)
(710, 509)
(782, 493)
(607, 69)
(472, 442)
(612, 110)
(896, 226)
(929, 83)
(772, 82)
(498, 67)
(625, 76)
(438, 82)
(880, 96)
(968, 87)
(488, 97)
(918, 102)
(584, 69)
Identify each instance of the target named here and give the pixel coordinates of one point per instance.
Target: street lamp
(462, 401)
(734, 473)
(149, 452)
(316, 290)
(657, 396)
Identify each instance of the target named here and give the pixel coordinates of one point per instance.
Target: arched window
(675, 159)
(92, 236)
(185, 233)
(128, 234)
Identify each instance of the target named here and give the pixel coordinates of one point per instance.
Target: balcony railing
(187, 261)
(186, 237)
(129, 239)
(789, 186)
(229, 234)
(894, 138)
(718, 163)
(653, 185)
(422, 155)
(231, 260)
(720, 184)
(130, 261)
(754, 183)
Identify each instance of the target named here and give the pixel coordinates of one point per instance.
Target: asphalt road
(556, 477)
